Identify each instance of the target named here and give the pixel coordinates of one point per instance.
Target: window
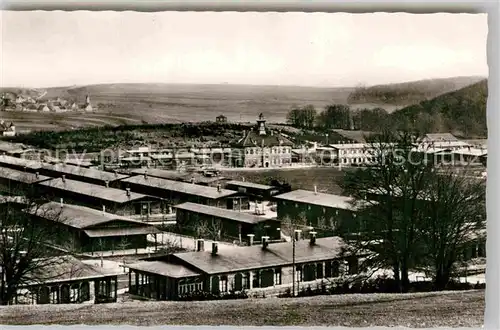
(245, 281)
(255, 281)
(73, 293)
(277, 276)
(54, 295)
(223, 284)
(319, 270)
(189, 287)
(298, 274)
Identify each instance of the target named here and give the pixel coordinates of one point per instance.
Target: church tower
(87, 100)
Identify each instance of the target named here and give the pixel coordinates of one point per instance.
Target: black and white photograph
(243, 168)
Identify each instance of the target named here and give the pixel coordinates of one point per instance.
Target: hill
(462, 112)
(408, 93)
(438, 309)
(124, 104)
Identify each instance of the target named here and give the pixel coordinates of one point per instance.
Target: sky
(48, 49)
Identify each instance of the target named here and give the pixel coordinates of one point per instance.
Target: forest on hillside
(462, 112)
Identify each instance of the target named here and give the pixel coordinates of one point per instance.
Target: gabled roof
(164, 268)
(21, 176)
(470, 152)
(180, 187)
(255, 257)
(247, 184)
(84, 172)
(78, 216)
(320, 199)
(440, 137)
(11, 147)
(62, 269)
(93, 190)
(253, 139)
(220, 213)
(20, 162)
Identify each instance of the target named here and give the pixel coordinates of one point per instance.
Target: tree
(208, 229)
(293, 116)
(26, 250)
(390, 220)
(335, 116)
(304, 117)
(455, 213)
(309, 116)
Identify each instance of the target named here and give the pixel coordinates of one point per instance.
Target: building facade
(226, 224)
(262, 147)
(329, 213)
(69, 281)
(263, 267)
(117, 201)
(88, 230)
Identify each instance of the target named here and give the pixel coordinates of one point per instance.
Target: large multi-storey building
(262, 147)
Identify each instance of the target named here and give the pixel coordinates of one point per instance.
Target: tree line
(462, 112)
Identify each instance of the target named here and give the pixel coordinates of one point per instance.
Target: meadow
(122, 104)
(419, 310)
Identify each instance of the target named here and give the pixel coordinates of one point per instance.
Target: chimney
(116, 173)
(200, 245)
(128, 192)
(63, 178)
(215, 248)
(37, 175)
(107, 183)
(193, 180)
(145, 174)
(313, 237)
(218, 188)
(265, 242)
(104, 209)
(250, 238)
(243, 178)
(61, 202)
(297, 234)
(315, 190)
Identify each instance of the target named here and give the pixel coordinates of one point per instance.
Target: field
(120, 104)
(441, 309)
(325, 178)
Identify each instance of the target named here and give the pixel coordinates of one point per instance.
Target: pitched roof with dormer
(254, 139)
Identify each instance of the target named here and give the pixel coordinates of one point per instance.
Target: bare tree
(208, 229)
(27, 248)
(455, 215)
(392, 218)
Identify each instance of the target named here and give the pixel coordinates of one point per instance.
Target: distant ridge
(462, 112)
(410, 92)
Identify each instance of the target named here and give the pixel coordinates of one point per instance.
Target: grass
(439, 309)
(324, 178)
